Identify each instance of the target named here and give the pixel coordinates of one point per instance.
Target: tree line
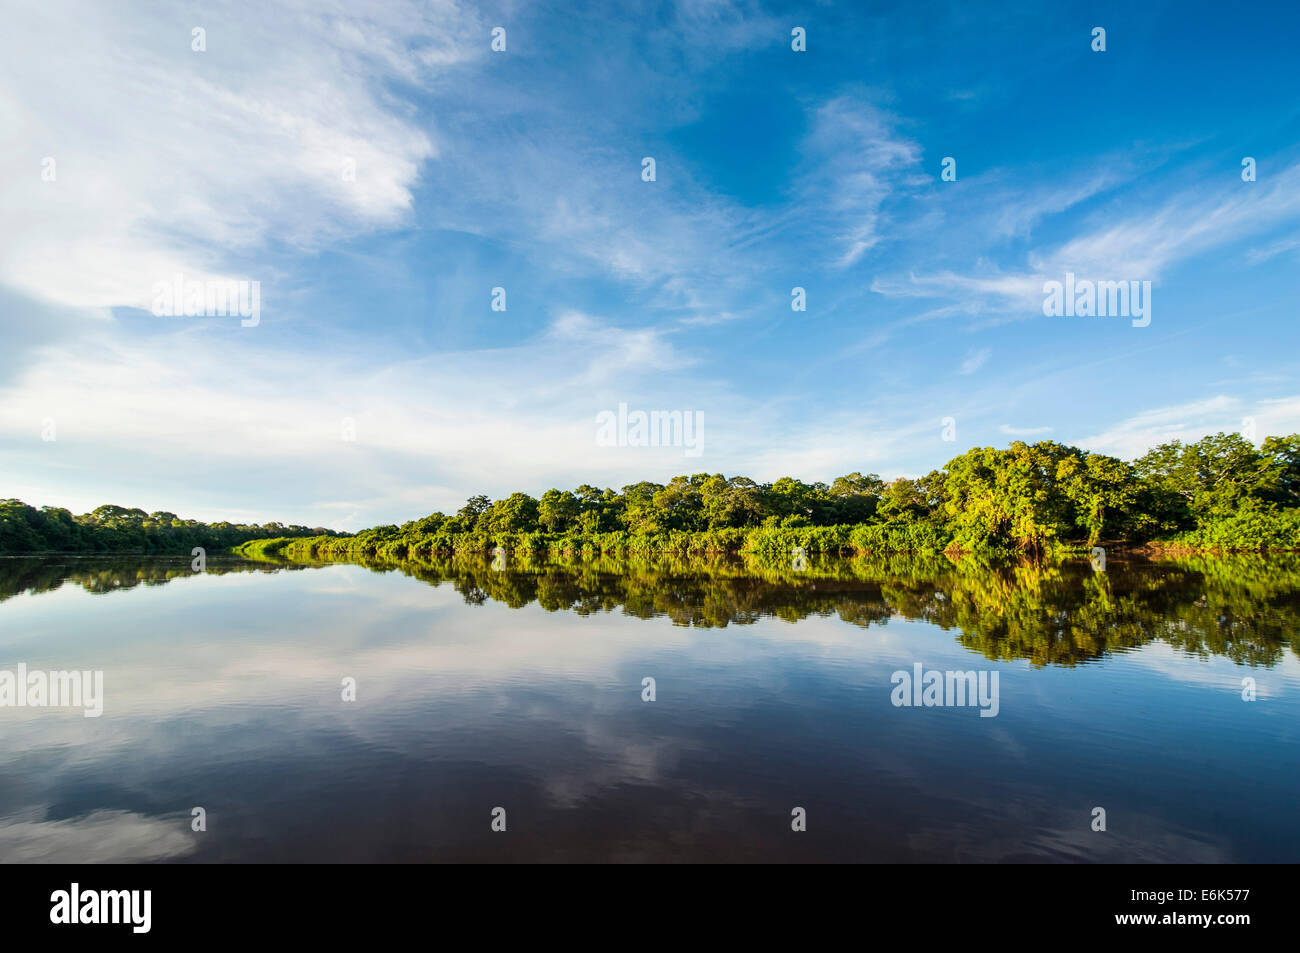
(1219, 492)
(117, 529)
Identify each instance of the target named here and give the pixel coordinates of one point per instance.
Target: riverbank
(773, 542)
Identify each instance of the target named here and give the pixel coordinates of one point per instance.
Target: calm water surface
(521, 687)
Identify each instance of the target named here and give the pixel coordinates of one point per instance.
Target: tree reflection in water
(1062, 613)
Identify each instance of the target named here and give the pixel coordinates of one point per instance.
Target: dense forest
(116, 529)
(1221, 492)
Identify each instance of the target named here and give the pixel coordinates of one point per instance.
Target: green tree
(640, 514)
(1212, 476)
(680, 504)
(856, 497)
(474, 507)
(517, 513)
(1283, 454)
(734, 502)
(1009, 498)
(1102, 489)
(558, 511)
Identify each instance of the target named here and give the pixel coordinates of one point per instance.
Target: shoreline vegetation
(51, 530)
(1221, 493)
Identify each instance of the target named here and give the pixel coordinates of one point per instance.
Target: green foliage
(779, 541)
(904, 535)
(1013, 498)
(558, 511)
(1252, 525)
(1101, 488)
(516, 514)
(115, 529)
(1029, 498)
(1209, 478)
(1220, 492)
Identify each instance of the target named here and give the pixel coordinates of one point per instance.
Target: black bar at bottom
(368, 902)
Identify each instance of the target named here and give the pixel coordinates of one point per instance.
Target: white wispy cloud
(159, 419)
(974, 360)
(1199, 218)
(1127, 238)
(1273, 249)
(975, 292)
(856, 159)
(171, 160)
(1192, 420)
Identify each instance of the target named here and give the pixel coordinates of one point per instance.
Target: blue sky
(521, 169)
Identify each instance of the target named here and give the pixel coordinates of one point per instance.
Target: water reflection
(1246, 608)
(521, 687)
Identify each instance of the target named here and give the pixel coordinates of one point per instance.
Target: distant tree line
(1219, 492)
(116, 529)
